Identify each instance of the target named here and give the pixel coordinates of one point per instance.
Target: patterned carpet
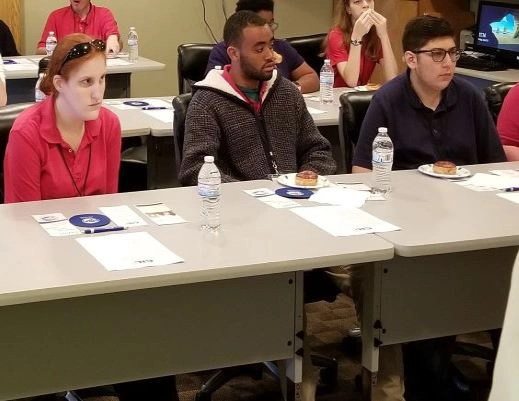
(327, 325)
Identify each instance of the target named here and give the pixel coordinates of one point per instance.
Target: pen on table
(103, 229)
(154, 108)
(512, 189)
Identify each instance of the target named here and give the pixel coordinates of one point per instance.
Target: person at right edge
(431, 115)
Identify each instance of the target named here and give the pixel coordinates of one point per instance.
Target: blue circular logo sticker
(89, 220)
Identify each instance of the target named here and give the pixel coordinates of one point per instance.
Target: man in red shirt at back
(82, 17)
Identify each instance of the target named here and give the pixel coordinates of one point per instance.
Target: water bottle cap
(382, 129)
(209, 159)
(217, 67)
(132, 28)
(51, 32)
(326, 61)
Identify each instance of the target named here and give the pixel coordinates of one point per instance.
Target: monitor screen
(497, 30)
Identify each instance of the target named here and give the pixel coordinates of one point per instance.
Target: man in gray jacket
(251, 119)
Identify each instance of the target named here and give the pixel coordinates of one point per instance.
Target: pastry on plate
(306, 178)
(444, 167)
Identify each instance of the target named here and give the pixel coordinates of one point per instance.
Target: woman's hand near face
(362, 25)
(380, 23)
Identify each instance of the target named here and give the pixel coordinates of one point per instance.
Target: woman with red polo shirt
(357, 42)
(68, 145)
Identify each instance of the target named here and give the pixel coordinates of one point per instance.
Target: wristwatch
(356, 42)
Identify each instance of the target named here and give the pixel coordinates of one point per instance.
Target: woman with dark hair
(357, 42)
(68, 145)
(7, 44)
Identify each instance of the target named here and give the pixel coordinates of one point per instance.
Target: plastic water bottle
(42, 70)
(39, 96)
(50, 43)
(209, 181)
(382, 162)
(133, 45)
(326, 78)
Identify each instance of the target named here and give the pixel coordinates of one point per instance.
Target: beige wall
(164, 24)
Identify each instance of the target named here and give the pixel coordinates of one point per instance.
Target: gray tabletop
(331, 111)
(31, 70)
(439, 216)
(255, 239)
(511, 75)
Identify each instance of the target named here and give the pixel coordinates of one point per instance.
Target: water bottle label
(379, 157)
(132, 42)
(208, 191)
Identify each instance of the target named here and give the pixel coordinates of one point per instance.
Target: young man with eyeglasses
(289, 62)
(431, 115)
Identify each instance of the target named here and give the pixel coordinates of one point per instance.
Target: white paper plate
(461, 172)
(289, 180)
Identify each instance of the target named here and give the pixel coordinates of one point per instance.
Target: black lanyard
(267, 147)
(70, 172)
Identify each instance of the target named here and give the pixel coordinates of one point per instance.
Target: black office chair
(8, 114)
(495, 94)
(310, 48)
(180, 105)
(321, 288)
(192, 61)
(353, 108)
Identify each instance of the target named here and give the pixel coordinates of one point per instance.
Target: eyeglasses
(438, 55)
(273, 25)
(82, 49)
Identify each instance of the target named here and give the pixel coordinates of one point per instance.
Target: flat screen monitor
(497, 31)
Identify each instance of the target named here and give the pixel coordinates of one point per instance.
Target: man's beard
(251, 73)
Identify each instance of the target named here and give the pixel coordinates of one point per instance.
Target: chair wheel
(328, 376)
(358, 382)
(201, 396)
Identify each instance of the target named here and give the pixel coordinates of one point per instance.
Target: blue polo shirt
(291, 58)
(460, 130)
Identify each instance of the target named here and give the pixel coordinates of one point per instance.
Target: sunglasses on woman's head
(82, 49)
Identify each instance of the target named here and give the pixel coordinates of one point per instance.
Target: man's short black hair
(255, 5)
(420, 30)
(232, 31)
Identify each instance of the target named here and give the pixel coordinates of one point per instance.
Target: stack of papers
(340, 196)
(490, 182)
(128, 251)
(342, 222)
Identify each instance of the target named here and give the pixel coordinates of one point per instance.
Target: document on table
(314, 111)
(340, 196)
(506, 173)
(160, 214)
(270, 198)
(112, 62)
(164, 115)
(343, 222)
(482, 182)
(139, 104)
(123, 216)
(19, 64)
(511, 196)
(128, 251)
(56, 224)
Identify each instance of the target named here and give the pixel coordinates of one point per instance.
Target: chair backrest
(7, 116)
(495, 94)
(191, 64)
(310, 48)
(354, 106)
(180, 105)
